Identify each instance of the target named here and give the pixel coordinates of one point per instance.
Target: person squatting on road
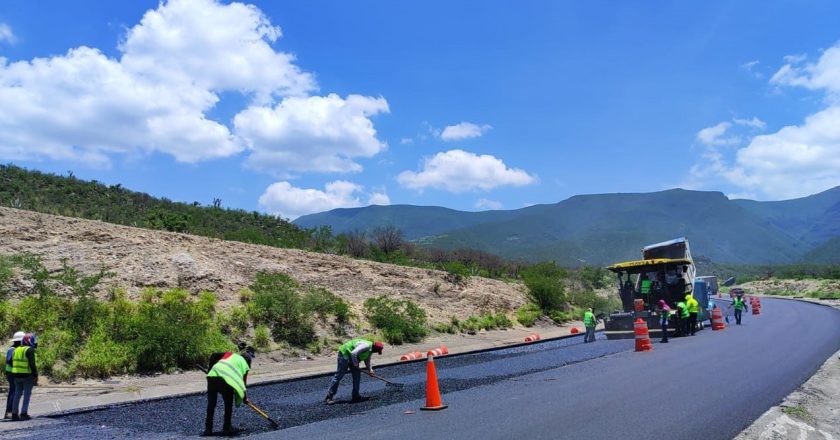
(739, 305)
(693, 309)
(24, 375)
(227, 375)
(664, 319)
(10, 379)
(589, 322)
(349, 355)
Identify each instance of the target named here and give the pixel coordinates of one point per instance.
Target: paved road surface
(708, 386)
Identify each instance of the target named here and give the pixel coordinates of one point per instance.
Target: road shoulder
(810, 412)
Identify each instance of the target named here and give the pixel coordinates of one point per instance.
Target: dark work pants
(678, 325)
(692, 321)
(217, 385)
(343, 365)
(11, 398)
(738, 316)
(664, 325)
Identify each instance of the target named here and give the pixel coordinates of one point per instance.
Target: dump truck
(666, 271)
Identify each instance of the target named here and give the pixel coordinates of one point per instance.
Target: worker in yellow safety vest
(693, 309)
(10, 379)
(228, 376)
(589, 322)
(25, 375)
(681, 318)
(349, 355)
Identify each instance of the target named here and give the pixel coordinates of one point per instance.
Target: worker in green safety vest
(25, 375)
(589, 322)
(681, 317)
(349, 355)
(693, 309)
(228, 376)
(739, 305)
(16, 338)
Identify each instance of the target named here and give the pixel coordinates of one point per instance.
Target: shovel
(387, 382)
(262, 413)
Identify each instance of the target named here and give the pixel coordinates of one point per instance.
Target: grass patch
(798, 411)
(528, 314)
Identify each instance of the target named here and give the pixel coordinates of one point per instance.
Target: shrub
(325, 304)
(545, 286)
(6, 274)
(175, 332)
(262, 340)
(399, 320)
(277, 304)
(101, 357)
(528, 314)
(587, 298)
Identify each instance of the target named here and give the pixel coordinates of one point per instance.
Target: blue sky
(296, 107)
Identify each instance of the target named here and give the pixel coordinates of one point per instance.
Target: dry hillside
(145, 258)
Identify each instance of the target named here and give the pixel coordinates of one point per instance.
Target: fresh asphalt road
(709, 386)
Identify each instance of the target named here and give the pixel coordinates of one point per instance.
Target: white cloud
(287, 201)
(6, 34)
(714, 135)
(752, 123)
(379, 198)
(794, 59)
(173, 67)
(488, 204)
(312, 133)
(459, 171)
(796, 160)
(464, 130)
(406, 141)
(748, 66)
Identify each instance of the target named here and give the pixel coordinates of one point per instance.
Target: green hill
(71, 197)
(603, 228)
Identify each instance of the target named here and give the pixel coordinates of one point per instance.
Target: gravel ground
(298, 402)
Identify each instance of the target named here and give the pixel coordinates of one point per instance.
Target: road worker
(349, 355)
(664, 319)
(25, 376)
(693, 309)
(739, 305)
(681, 316)
(10, 379)
(589, 322)
(227, 375)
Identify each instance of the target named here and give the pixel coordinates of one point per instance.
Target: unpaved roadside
(812, 412)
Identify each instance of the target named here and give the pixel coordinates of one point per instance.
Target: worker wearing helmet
(681, 319)
(693, 309)
(16, 339)
(25, 376)
(227, 375)
(349, 355)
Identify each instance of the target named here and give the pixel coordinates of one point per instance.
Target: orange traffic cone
(717, 319)
(574, 330)
(640, 328)
(533, 337)
(433, 402)
(411, 356)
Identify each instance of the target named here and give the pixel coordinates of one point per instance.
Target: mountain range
(600, 229)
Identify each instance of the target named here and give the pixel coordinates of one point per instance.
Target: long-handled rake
(387, 382)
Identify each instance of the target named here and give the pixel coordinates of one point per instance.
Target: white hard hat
(18, 336)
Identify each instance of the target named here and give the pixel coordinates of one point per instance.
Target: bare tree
(356, 244)
(388, 238)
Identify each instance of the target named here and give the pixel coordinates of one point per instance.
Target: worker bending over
(227, 375)
(349, 355)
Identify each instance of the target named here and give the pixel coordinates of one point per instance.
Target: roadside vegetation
(82, 335)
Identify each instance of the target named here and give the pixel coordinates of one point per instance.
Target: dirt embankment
(784, 287)
(143, 258)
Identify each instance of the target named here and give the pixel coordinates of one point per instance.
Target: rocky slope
(143, 258)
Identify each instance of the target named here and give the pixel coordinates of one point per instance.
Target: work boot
(8, 415)
(230, 432)
(358, 399)
(329, 399)
(24, 417)
(207, 433)
(15, 418)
